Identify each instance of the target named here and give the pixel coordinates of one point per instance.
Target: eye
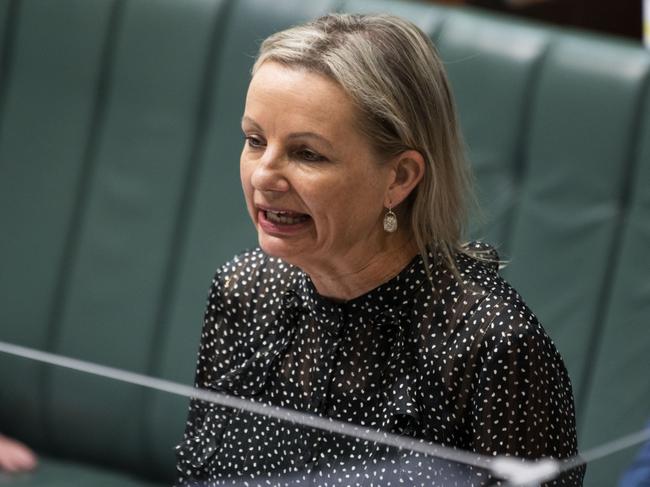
(309, 155)
(254, 142)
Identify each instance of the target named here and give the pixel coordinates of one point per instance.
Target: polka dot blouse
(463, 365)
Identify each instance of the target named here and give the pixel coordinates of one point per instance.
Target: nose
(269, 173)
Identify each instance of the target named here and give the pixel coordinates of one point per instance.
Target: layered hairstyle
(392, 72)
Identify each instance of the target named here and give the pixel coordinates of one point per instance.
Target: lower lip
(280, 229)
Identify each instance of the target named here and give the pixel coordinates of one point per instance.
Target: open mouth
(285, 217)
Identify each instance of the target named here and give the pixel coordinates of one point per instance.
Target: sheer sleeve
(235, 350)
(204, 421)
(522, 401)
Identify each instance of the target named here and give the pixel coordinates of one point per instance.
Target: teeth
(282, 217)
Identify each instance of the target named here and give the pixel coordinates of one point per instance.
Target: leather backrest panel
(49, 99)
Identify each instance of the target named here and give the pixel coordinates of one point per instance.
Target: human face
(314, 186)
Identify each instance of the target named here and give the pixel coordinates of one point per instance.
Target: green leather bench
(119, 196)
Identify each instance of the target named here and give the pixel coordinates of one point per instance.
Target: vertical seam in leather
(631, 167)
(519, 154)
(6, 58)
(71, 246)
(183, 216)
(6, 55)
(339, 6)
(435, 34)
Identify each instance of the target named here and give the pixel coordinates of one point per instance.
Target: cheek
(344, 207)
(245, 177)
(243, 170)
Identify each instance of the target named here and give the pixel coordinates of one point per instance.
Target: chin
(277, 248)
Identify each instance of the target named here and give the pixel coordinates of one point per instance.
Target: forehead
(297, 98)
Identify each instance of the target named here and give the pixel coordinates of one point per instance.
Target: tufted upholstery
(119, 146)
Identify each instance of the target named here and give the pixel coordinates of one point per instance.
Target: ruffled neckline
(388, 298)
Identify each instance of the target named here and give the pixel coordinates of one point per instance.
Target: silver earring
(390, 221)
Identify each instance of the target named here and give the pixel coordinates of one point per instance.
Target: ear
(407, 171)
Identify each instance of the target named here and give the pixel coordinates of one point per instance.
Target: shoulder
(479, 301)
(507, 336)
(478, 264)
(244, 301)
(250, 275)
(502, 318)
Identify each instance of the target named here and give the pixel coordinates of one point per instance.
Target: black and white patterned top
(465, 366)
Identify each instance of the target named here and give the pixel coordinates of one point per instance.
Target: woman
(361, 303)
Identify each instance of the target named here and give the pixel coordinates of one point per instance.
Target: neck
(354, 277)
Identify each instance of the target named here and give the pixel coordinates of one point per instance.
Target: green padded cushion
(492, 65)
(115, 285)
(583, 117)
(48, 109)
(6, 21)
(619, 399)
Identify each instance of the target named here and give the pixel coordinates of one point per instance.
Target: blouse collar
(387, 299)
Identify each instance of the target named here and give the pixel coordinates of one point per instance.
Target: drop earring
(390, 220)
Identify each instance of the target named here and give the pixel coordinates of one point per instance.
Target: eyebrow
(294, 135)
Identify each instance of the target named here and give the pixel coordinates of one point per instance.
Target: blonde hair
(392, 72)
